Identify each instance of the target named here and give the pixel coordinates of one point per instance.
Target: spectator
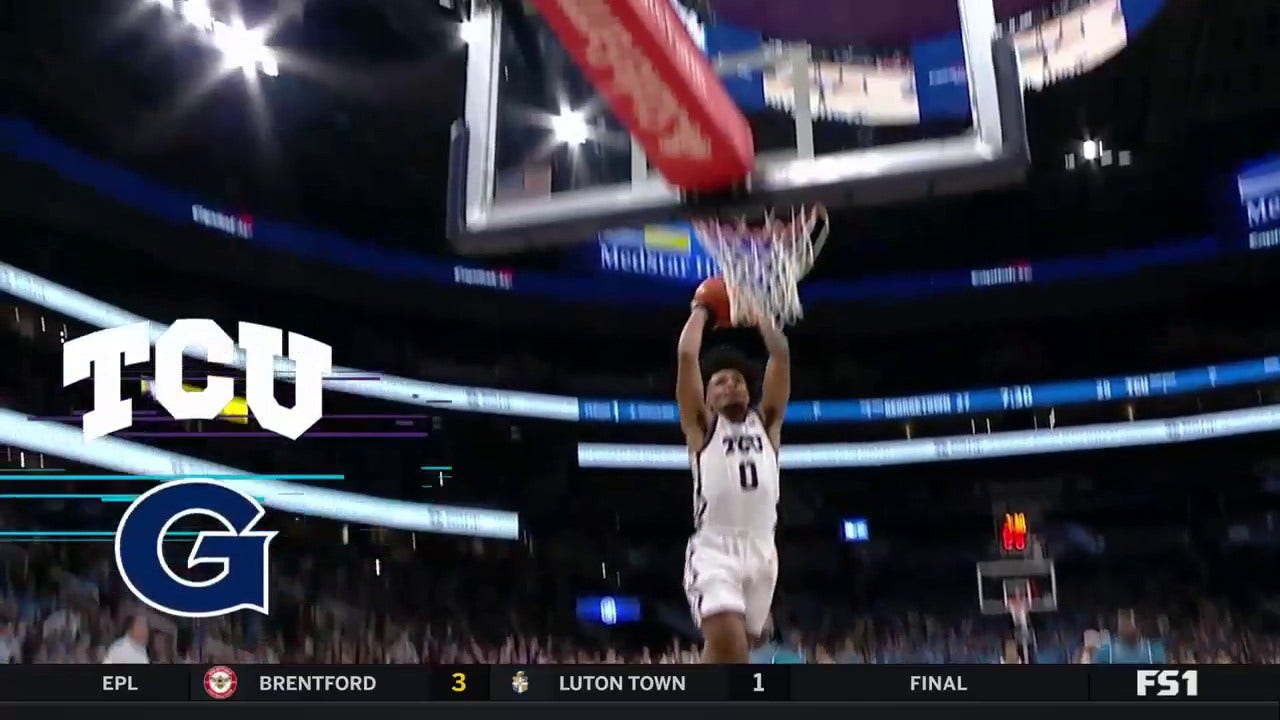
(1128, 647)
(10, 643)
(130, 648)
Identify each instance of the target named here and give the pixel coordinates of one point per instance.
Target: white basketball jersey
(736, 479)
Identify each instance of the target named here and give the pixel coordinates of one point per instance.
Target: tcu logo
(1169, 683)
(240, 550)
(743, 444)
(99, 355)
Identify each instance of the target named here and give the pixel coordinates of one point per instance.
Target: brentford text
(317, 683)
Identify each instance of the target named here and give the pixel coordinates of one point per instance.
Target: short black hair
(729, 358)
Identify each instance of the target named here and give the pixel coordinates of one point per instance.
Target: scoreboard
(675, 691)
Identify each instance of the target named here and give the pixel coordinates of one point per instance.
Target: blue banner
(663, 252)
(969, 402)
(745, 86)
(942, 82)
(1190, 428)
(1257, 188)
(1258, 184)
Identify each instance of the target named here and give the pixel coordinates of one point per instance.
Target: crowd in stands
(49, 614)
(64, 604)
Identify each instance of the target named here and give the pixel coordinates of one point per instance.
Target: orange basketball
(713, 295)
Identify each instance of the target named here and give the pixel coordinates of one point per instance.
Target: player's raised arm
(689, 391)
(776, 390)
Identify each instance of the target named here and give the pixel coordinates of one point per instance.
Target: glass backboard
(539, 160)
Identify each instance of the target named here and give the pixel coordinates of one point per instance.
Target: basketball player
(731, 564)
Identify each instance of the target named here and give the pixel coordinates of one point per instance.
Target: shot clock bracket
(1019, 567)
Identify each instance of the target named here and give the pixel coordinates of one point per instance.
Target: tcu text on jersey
(746, 447)
(100, 355)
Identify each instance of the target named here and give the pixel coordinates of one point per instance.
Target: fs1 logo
(1169, 683)
(99, 355)
(241, 551)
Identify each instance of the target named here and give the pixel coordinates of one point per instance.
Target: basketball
(713, 295)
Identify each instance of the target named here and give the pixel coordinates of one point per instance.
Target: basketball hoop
(762, 265)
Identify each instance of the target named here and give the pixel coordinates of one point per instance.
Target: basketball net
(762, 265)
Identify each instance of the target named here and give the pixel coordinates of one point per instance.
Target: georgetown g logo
(241, 584)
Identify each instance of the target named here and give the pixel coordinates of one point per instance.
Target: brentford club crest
(220, 682)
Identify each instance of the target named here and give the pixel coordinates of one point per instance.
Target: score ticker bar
(655, 683)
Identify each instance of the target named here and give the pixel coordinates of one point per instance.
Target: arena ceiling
(350, 130)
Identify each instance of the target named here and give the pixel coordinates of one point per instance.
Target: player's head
(730, 380)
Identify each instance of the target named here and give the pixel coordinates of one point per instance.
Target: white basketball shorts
(727, 572)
